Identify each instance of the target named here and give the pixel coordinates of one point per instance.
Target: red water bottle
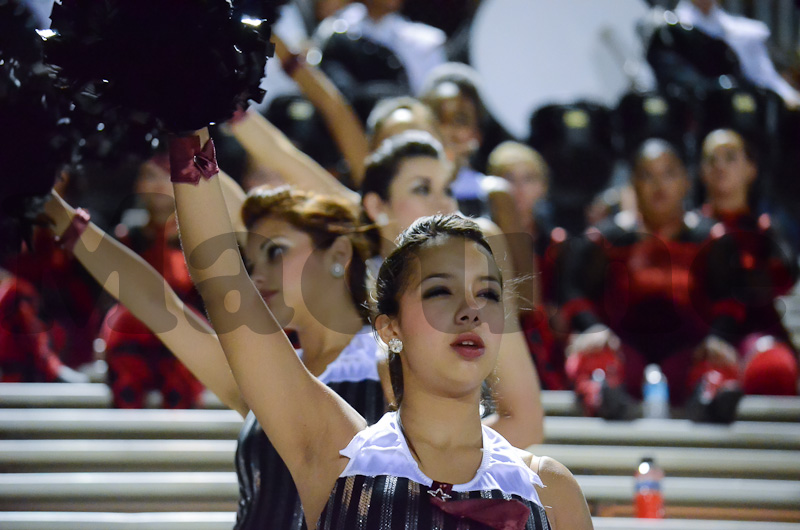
(648, 499)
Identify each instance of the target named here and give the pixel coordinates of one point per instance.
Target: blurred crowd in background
(659, 224)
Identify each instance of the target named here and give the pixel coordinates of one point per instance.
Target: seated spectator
(766, 267)
(528, 174)
(71, 304)
(452, 93)
(296, 23)
(137, 361)
(650, 289)
(419, 47)
(26, 351)
(746, 37)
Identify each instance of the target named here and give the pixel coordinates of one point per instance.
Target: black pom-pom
(35, 143)
(188, 63)
(111, 136)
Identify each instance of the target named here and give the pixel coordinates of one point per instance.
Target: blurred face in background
(726, 170)
(458, 121)
(661, 184)
(528, 185)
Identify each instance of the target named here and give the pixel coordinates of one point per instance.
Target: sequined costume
(268, 495)
(383, 488)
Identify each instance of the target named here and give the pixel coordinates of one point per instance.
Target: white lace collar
(382, 450)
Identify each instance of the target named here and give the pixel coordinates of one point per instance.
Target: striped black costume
(382, 487)
(268, 497)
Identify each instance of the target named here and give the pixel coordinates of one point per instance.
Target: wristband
(73, 232)
(294, 62)
(188, 161)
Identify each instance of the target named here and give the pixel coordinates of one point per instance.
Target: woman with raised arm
(408, 177)
(341, 120)
(422, 190)
(440, 296)
(291, 235)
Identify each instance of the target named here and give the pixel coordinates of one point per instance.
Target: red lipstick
(469, 346)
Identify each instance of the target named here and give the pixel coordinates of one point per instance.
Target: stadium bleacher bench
(210, 490)
(555, 402)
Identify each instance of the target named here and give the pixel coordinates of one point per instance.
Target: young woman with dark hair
(450, 322)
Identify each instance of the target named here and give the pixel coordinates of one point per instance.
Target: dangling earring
(382, 219)
(337, 270)
(395, 345)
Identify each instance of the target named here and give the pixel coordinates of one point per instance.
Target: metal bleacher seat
(78, 465)
(122, 521)
(74, 395)
(225, 520)
(225, 424)
(118, 424)
(555, 402)
(199, 491)
(676, 461)
(38, 456)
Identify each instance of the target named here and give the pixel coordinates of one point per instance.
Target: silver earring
(382, 219)
(395, 345)
(337, 270)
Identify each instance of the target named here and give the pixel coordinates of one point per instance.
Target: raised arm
(519, 415)
(234, 198)
(139, 287)
(306, 421)
(270, 148)
(341, 120)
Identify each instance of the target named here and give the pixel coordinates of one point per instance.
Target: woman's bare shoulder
(561, 495)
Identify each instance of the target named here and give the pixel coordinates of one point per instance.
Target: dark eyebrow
(447, 276)
(437, 275)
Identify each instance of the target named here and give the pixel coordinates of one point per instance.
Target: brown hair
(509, 153)
(324, 218)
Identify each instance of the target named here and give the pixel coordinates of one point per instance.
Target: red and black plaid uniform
(661, 297)
(26, 353)
(765, 268)
(137, 360)
(71, 301)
